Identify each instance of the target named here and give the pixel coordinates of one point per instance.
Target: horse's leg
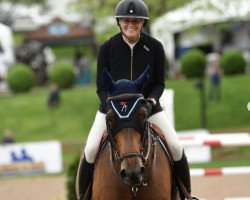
(106, 184)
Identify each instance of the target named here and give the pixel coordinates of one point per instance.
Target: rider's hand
(150, 104)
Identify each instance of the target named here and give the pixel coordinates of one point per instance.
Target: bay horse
(132, 163)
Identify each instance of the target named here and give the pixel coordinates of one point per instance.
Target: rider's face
(131, 28)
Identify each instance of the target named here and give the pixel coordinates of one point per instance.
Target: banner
(31, 158)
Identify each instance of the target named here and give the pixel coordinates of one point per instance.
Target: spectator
(8, 137)
(82, 68)
(214, 75)
(54, 97)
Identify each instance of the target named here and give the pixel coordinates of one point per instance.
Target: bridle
(145, 135)
(146, 144)
(142, 154)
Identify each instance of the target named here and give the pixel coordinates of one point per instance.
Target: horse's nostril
(123, 173)
(143, 169)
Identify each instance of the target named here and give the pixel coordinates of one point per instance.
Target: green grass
(229, 114)
(31, 120)
(227, 157)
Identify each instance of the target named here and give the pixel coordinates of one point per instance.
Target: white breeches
(95, 137)
(159, 119)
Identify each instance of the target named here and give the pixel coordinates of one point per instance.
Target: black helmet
(131, 8)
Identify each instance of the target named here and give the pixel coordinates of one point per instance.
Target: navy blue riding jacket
(124, 63)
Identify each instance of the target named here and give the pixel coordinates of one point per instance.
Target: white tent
(7, 57)
(199, 12)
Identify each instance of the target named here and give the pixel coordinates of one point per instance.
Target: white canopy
(202, 12)
(6, 49)
(7, 57)
(199, 12)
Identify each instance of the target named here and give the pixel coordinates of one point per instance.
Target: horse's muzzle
(132, 175)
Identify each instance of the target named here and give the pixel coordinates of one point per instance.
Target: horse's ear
(143, 79)
(107, 80)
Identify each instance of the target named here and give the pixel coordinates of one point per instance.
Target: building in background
(24, 18)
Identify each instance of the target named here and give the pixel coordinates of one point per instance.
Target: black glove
(149, 105)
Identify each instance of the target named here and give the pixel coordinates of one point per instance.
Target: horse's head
(127, 125)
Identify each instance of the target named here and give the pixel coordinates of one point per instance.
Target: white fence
(225, 139)
(198, 145)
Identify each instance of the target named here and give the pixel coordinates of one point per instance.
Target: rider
(126, 55)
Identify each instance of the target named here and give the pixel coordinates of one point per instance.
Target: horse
(133, 163)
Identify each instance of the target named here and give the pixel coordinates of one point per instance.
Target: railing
(217, 140)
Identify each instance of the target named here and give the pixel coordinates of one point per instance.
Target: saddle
(178, 186)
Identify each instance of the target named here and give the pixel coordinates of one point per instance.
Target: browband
(124, 97)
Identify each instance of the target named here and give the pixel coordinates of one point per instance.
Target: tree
(193, 65)
(27, 1)
(101, 8)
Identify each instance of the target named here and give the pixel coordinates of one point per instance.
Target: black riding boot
(182, 171)
(84, 177)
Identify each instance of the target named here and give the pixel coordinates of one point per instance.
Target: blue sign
(23, 157)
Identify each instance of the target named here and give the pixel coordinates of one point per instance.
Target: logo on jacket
(145, 47)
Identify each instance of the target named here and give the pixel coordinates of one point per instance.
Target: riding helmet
(131, 9)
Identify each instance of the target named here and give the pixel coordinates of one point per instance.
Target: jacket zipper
(131, 65)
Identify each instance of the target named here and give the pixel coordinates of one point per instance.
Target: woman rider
(126, 55)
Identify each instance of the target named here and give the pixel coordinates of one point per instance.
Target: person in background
(8, 137)
(54, 97)
(214, 75)
(82, 67)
